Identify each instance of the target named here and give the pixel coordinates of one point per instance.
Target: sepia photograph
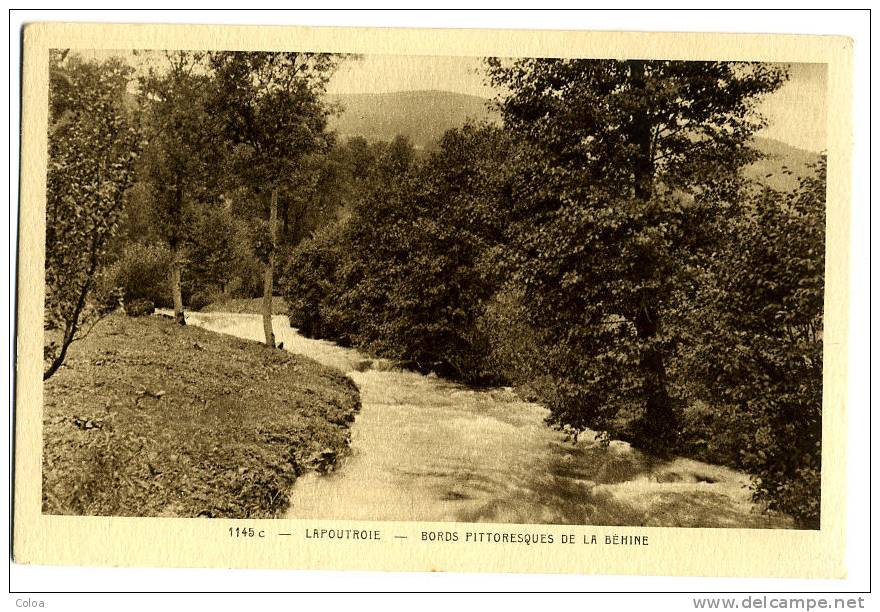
(338, 299)
(532, 290)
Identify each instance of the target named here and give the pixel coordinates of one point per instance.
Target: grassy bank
(147, 418)
(246, 305)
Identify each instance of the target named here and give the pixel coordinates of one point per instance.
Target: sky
(796, 113)
(388, 73)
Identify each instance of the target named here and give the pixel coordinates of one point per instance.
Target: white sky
(797, 112)
(388, 73)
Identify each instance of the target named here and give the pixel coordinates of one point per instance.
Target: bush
(512, 347)
(200, 299)
(142, 273)
(220, 255)
(140, 308)
(715, 434)
(307, 282)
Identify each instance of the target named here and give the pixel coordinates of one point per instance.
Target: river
(427, 449)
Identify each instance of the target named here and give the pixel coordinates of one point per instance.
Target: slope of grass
(148, 418)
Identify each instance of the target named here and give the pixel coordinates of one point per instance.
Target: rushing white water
(423, 448)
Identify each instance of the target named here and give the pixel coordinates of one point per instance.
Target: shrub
(513, 348)
(307, 282)
(200, 299)
(141, 273)
(216, 248)
(140, 308)
(715, 434)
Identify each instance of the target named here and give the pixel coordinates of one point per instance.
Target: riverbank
(147, 418)
(428, 449)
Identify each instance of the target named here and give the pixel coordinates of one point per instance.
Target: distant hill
(778, 157)
(424, 116)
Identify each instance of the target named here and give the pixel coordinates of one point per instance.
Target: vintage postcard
(433, 300)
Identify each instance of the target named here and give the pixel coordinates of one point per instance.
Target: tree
(374, 239)
(214, 254)
(759, 345)
(312, 196)
(93, 144)
(271, 109)
(402, 276)
(181, 151)
(631, 162)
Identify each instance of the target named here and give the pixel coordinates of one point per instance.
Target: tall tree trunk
(640, 135)
(659, 422)
(176, 293)
(72, 322)
(176, 254)
(269, 271)
(285, 220)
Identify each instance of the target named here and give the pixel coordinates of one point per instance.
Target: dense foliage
(759, 349)
(600, 248)
(141, 273)
(633, 161)
(597, 251)
(403, 274)
(182, 151)
(93, 145)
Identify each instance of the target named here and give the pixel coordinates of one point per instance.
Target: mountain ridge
(421, 115)
(425, 115)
